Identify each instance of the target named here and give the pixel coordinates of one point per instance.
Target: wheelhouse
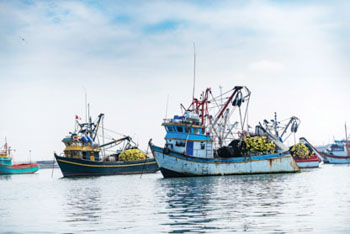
(185, 135)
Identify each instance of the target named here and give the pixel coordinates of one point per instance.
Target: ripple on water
(312, 201)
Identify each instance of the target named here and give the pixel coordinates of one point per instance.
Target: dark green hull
(78, 167)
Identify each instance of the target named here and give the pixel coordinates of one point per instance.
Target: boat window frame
(178, 129)
(170, 128)
(196, 131)
(180, 143)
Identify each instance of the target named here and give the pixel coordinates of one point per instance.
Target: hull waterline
(77, 167)
(173, 164)
(312, 162)
(29, 168)
(333, 159)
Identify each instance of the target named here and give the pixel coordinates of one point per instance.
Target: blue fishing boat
(84, 156)
(204, 141)
(7, 167)
(337, 153)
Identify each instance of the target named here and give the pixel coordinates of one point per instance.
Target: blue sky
(130, 55)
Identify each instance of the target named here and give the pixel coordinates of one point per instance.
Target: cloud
(130, 55)
(266, 66)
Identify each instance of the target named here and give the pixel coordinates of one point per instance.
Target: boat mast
(86, 107)
(346, 140)
(346, 133)
(194, 69)
(89, 124)
(275, 126)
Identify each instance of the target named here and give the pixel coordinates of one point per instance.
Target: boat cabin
(340, 148)
(81, 148)
(5, 159)
(185, 135)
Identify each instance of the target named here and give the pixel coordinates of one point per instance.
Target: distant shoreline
(46, 164)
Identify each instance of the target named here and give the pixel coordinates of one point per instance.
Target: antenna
(86, 107)
(166, 109)
(346, 134)
(194, 69)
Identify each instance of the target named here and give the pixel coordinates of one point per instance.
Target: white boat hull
(173, 164)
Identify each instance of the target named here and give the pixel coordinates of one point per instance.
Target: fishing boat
(338, 152)
(7, 167)
(303, 152)
(85, 156)
(203, 141)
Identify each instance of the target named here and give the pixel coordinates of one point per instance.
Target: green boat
(8, 168)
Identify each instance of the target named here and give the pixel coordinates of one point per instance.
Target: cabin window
(179, 129)
(337, 148)
(187, 130)
(170, 128)
(180, 143)
(195, 130)
(202, 146)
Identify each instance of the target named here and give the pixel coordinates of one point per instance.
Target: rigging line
(221, 95)
(214, 101)
(246, 114)
(287, 137)
(240, 116)
(114, 132)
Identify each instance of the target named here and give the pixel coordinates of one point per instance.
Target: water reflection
(188, 203)
(82, 204)
(5, 177)
(232, 203)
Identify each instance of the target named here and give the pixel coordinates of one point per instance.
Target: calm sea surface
(316, 200)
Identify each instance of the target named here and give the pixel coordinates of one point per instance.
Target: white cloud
(266, 66)
(287, 55)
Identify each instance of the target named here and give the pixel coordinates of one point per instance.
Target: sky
(129, 57)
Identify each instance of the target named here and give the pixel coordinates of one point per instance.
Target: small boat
(337, 153)
(7, 167)
(84, 156)
(303, 153)
(203, 141)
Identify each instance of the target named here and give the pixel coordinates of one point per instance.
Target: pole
(86, 107)
(346, 140)
(346, 134)
(194, 69)
(166, 108)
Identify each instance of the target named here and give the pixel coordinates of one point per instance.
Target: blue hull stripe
(221, 160)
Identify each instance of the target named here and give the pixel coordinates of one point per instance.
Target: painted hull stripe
(222, 162)
(333, 156)
(88, 165)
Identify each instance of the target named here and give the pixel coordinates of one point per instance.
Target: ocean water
(316, 201)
